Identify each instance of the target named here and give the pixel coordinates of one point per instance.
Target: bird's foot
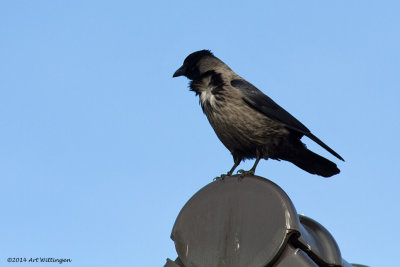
(220, 178)
(244, 173)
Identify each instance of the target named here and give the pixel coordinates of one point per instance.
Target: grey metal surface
(294, 257)
(235, 222)
(249, 222)
(319, 243)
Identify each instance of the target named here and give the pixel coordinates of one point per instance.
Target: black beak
(180, 72)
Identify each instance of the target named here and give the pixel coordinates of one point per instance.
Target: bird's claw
(220, 178)
(244, 173)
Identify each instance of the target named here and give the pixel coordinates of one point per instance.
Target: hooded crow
(248, 122)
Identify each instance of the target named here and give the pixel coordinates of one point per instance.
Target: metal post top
(244, 220)
(249, 221)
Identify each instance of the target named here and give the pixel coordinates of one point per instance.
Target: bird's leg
(231, 171)
(237, 161)
(252, 170)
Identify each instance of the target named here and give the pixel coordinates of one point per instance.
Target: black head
(190, 67)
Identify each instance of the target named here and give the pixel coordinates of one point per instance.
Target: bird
(248, 122)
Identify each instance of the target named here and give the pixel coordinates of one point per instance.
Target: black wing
(265, 105)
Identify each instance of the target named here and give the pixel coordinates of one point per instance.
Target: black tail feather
(319, 142)
(311, 162)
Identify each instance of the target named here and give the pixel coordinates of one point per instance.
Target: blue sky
(100, 148)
